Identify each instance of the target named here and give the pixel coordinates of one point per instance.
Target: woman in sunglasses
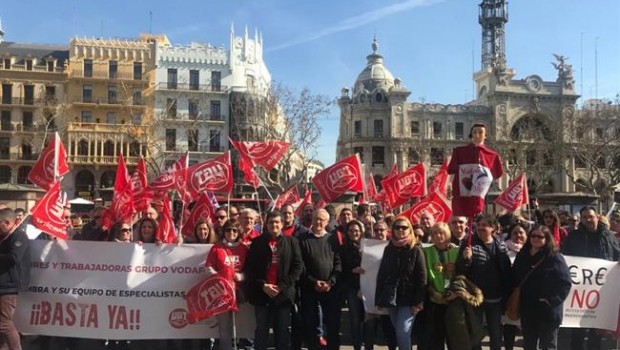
(552, 221)
(544, 280)
(401, 280)
(121, 232)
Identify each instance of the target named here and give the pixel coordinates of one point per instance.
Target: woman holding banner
(227, 258)
(544, 281)
(401, 280)
(351, 256)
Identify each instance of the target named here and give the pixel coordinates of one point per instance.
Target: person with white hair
(247, 225)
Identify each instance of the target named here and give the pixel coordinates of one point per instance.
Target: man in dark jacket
(273, 265)
(487, 265)
(14, 274)
(592, 240)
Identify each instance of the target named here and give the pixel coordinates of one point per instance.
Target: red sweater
(227, 258)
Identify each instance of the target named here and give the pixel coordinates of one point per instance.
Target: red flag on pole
(122, 208)
(401, 188)
(165, 230)
(372, 188)
(266, 154)
(249, 175)
(52, 164)
(435, 204)
(515, 195)
(203, 210)
(321, 204)
(139, 182)
(392, 172)
(172, 177)
(48, 213)
(440, 180)
(289, 196)
(213, 175)
(344, 176)
(299, 212)
(212, 296)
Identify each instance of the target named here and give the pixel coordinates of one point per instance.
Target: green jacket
(440, 271)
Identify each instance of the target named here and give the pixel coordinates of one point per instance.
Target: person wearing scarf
(552, 221)
(517, 235)
(401, 280)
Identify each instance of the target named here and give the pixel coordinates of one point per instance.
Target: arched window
(26, 151)
(22, 175)
(134, 149)
(82, 148)
(107, 179)
(108, 148)
(414, 156)
(84, 181)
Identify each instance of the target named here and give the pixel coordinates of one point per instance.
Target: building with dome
(378, 123)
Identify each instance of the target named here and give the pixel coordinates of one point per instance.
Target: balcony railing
(23, 101)
(106, 74)
(112, 128)
(35, 68)
(103, 160)
(191, 87)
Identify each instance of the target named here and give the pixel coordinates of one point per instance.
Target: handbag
(514, 300)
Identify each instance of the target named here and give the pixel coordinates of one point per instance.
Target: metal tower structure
(492, 16)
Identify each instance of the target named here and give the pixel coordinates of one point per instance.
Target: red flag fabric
(344, 176)
(52, 163)
(122, 208)
(434, 204)
(299, 212)
(203, 210)
(401, 188)
(180, 180)
(515, 195)
(289, 196)
(266, 154)
(173, 178)
(165, 230)
(320, 204)
(372, 188)
(213, 175)
(48, 214)
(213, 296)
(139, 183)
(440, 180)
(249, 175)
(392, 172)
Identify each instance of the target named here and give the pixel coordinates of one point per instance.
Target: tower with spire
(493, 16)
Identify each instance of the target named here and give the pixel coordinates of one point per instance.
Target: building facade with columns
(529, 120)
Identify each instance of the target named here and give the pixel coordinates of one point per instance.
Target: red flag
(372, 188)
(434, 204)
(165, 230)
(515, 195)
(289, 196)
(266, 154)
(401, 188)
(213, 175)
(203, 210)
(122, 202)
(249, 175)
(139, 183)
(299, 212)
(440, 180)
(211, 297)
(320, 204)
(392, 172)
(344, 176)
(52, 164)
(48, 214)
(173, 178)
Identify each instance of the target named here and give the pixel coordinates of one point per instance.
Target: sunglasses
(222, 217)
(400, 227)
(231, 230)
(125, 230)
(537, 236)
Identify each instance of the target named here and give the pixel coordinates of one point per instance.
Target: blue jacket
(14, 263)
(601, 244)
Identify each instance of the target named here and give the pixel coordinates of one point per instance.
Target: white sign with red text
(111, 290)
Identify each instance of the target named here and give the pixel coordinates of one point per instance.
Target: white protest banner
(372, 252)
(593, 300)
(110, 290)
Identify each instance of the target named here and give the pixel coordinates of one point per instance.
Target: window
(378, 126)
(192, 140)
(50, 66)
(136, 118)
(28, 64)
(415, 127)
(82, 148)
(137, 71)
(87, 93)
(5, 121)
(601, 162)
(108, 148)
(413, 156)
(548, 158)
(436, 130)
(172, 78)
(617, 133)
(579, 133)
(7, 94)
(7, 63)
(216, 80)
(5, 174)
(600, 133)
(214, 140)
(28, 94)
(136, 96)
(88, 68)
(112, 94)
(192, 108)
(436, 156)
(357, 128)
(194, 80)
(359, 150)
(134, 149)
(111, 118)
(87, 117)
(26, 150)
(512, 156)
(50, 92)
(5, 147)
(171, 108)
(22, 175)
(113, 69)
(378, 155)
(171, 139)
(459, 131)
(27, 121)
(215, 110)
(579, 162)
(530, 157)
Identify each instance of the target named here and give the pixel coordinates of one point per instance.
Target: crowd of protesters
(440, 283)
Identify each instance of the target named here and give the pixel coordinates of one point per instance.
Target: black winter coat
(601, 244)
(401, 280)
(290, 268)
(351, 257)
(550, 280)
(14, 263)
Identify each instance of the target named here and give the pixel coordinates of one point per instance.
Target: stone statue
(565, 71)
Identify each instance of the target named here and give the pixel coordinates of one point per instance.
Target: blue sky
(322, 45)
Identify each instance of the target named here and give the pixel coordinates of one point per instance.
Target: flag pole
(234, 321)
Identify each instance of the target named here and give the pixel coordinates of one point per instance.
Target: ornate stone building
(529, 120)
